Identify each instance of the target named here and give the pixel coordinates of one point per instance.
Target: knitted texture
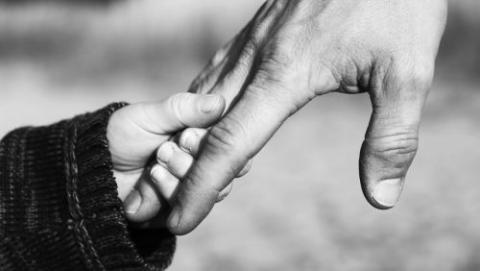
(59, 207)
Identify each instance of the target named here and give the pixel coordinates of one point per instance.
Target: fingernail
(157, 173)
(187, 140)
(209, 103)
(387, 192)
(132, 202)
(165, 152)
(174, 219)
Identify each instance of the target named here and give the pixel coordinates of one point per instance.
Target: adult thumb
(391, 141)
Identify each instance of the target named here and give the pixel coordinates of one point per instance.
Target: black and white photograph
(252, 135)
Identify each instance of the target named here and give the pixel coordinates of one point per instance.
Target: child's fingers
(175, 160)
(164, 181)
(143, 203)
(191, 140)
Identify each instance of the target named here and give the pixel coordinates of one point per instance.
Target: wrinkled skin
(293, 51)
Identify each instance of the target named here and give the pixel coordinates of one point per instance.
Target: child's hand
(173, 161)
(136, 131)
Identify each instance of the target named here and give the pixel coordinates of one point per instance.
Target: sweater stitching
(78, 221)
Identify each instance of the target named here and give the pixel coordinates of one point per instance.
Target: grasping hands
(136, 131)
(295, 50)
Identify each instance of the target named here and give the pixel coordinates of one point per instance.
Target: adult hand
(136, 131)
(293, 51)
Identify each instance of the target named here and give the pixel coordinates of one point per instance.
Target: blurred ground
(301, 207)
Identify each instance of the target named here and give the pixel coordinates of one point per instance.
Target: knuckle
(281, 49)
(278, 65)
(278, 89)
(401, 146)
(229, 140)
(269, 74)
(226, 134)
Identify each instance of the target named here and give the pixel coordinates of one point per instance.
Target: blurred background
(301, 207)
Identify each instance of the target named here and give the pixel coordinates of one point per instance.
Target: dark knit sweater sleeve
(59, 208)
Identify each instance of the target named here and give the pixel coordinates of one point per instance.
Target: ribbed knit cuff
(97, 215)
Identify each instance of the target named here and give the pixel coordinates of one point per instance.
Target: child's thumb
(180, 111)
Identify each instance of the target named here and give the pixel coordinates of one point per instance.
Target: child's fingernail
(209, 103)
(157, 173)
(174, 219)
(387, 192)
(132, 202)
(165, 152)
(187, 140)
